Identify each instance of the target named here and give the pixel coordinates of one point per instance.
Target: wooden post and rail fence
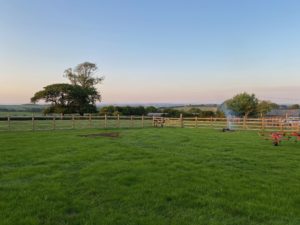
(56, 122)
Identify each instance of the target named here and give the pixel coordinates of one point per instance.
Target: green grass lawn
(148, 176)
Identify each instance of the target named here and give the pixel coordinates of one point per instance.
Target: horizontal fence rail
(23, 123)
(264, 124)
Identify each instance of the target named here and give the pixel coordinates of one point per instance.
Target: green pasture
(203, 108)
(151, 176)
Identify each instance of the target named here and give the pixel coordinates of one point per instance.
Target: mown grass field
(154, 176)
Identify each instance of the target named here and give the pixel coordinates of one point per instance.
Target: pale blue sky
(153, 51)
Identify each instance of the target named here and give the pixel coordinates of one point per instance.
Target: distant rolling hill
(21, 109)
(203, 107)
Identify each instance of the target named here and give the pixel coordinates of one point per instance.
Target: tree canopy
(243, 104)
(126, 110)
(83, 75)
(67, 98)
(78, 97)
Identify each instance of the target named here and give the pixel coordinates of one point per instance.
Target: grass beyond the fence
(154, 176)
(64, 123)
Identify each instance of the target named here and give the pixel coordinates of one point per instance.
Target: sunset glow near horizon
(153, 51)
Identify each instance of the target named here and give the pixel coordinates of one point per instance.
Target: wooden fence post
(262, 123)
(8, 122)
(227, 122)
(142, 121)
(118, 120)
(33, 122)
(181, 120)
(90, 120)
(131, 120)
(196, 122)
(153, 122)
(73, 122)
(105, 121)
(54, 124)
(244, 122)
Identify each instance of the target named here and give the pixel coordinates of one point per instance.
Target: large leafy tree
(67, 98)
(84, 75)
(243, 104)
(78, 97)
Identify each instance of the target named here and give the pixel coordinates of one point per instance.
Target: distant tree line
(127, 110)
(245, 104)
(167, 112)
(294, 106)
(192, 112)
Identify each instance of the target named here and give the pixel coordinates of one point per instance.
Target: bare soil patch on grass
(110, 135)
